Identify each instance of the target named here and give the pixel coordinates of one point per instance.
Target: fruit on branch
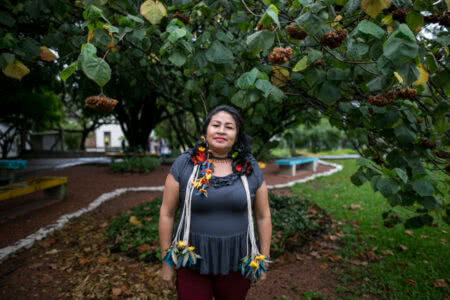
(444, 19)
(333, 39)
(443, 154)
(428, 144)
(295, 32)
(400, 15)
(318, 62)
(101, 102)
(260, 27)
(280, 55)
(388, 98)
(407, 93)
(182, 18)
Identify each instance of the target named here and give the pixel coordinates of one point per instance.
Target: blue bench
(289, 166)
(9, 167)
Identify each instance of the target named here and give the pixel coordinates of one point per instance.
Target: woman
(219, 185)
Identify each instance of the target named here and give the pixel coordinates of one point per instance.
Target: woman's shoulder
(184, 157)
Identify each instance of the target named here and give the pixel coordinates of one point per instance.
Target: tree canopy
(378, 69)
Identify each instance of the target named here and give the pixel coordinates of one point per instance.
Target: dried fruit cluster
(182, 18)
(280, 55)
(400, 15)
(260, 27)
(333, 39)
(101, 102)
(388, 98)
(428, 144)
(295, 32)
(443, 154)
(442, 19)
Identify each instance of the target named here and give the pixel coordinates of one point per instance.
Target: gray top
(218, 222)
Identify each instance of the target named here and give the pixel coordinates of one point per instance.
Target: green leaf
(313, 55)
(409, 73)
(260, 41)
(432, 63)
(351, 6)
(92, 13)
(6, 19)
(415, 21)
(419, 221)
(401, 174)
(177, 34)
(96, 69)
(377, 84)
(423, 187)
(265, 86)
(67, 72)
(430, 203)
(219, 54)
(404, 134)
(338, 74)
(177, 58)
(401, 46)
(247, 80)
(387, 186)
(135, 19)
(370, 28)
(271, 15)
(329, 93)
(301, 65)
(358, 178)
(356, 50)
(276, 94)
(239, 98)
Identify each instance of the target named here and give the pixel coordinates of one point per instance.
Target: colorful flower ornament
(200, 156)
(182, 255)
(251, 267)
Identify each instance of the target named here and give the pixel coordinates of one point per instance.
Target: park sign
(378, 69)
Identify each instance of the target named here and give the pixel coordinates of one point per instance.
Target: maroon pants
(191, 285)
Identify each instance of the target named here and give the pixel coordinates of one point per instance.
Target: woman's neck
(218, 154)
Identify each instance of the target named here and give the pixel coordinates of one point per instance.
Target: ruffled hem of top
(220, 255)
(218, 182)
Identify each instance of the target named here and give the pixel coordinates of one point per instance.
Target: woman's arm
(167, 213)
(263, 219)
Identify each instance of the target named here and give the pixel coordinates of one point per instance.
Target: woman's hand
(167, 276)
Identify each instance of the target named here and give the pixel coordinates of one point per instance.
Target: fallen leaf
(410, 282)
(444, 232)
(323, 265)
(387, 252)
(85, 260)
(335, 258)
(402, 247)
(443, 241)
(371, 237)
(374, 227)
(53, 251)
(371, 256)
(144, 248)
(116, 291)
(424, 236)
(315, 254)
(358, 262)
(134, 221)
(299, 257)
(409, 232)
(402, 264)
(52, 266)
(102, 260)
(355, 206)
(440, 283)
(336, 195)
(344, 206)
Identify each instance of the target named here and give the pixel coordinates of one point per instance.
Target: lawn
(414, 264)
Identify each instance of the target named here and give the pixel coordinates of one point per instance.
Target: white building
(107, 138)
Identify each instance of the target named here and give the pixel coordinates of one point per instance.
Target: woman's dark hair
(242, 143)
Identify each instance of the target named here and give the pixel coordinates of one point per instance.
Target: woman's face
(221, 132)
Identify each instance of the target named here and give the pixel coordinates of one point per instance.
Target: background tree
(365, 65)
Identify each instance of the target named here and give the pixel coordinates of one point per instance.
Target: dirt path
(74, 262)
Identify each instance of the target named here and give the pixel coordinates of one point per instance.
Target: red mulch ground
(36, 272)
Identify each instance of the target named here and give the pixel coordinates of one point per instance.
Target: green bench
(289, 166)
(8, 169)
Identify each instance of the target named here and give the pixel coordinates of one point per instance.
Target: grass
(407, 274)
(284, 152)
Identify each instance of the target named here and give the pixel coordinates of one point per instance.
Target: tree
(366, 65)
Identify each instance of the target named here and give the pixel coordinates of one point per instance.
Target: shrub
(136, 232)
(295, 221)
(135, 164)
